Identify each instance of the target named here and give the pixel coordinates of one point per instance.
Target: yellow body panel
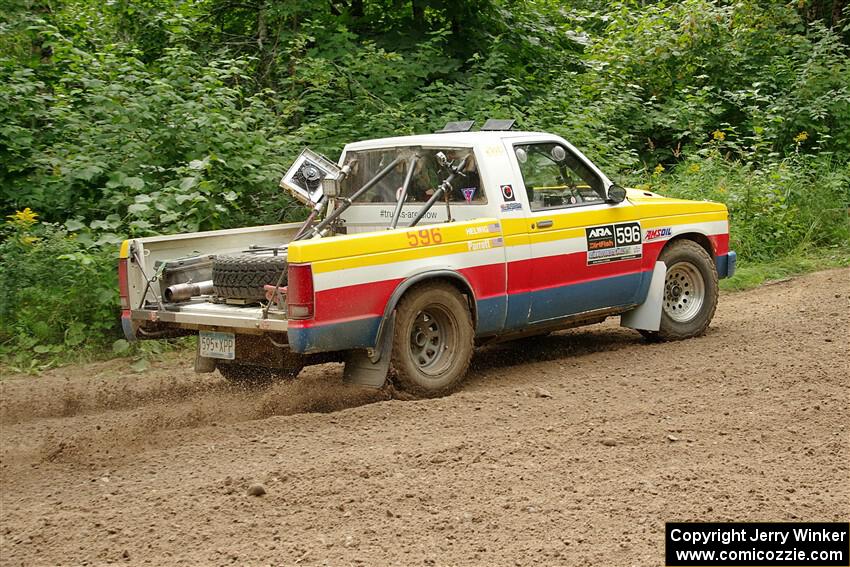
(351, 246)
(399, 245)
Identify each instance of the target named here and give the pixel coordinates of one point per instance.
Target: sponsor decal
(473, 230)
(388, 214)
(508, 193)
(613, 242)
(468, 193)
(508, 207)
(656, 233)
(485, 244)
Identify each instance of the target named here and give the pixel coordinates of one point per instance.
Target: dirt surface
(572, 449)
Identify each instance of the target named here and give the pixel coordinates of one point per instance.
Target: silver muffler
(184, 291)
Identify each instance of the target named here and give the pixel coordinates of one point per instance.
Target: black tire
(433, 340)
(244, 276)
(256, 376)
(690, 292)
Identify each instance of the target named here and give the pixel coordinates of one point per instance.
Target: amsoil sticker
(613, 242)
(508, 193)
(656, 233)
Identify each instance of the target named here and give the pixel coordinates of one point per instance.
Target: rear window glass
(426, 178)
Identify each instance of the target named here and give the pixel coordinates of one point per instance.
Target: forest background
(124, 118)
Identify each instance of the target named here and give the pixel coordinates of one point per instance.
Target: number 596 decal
(613, 242)
(424, 237)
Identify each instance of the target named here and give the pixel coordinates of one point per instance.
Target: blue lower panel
(491, 315)
(360, 333)
(495, 314)
(568, 300)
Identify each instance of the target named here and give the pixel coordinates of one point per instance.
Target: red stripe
(486, 281)
(353, 301)
(720, 243)
(566, 269)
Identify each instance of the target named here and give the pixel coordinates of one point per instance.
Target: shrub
(55, 293)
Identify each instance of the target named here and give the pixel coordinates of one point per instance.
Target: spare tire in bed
(244, 276)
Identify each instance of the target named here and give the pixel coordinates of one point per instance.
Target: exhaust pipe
(184, 291)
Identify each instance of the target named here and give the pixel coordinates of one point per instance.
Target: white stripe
(498, 255)
(559, 247)
(401, 270)
(579, 244)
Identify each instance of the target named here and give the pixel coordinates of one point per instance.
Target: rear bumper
(204, 315)
(726, 264)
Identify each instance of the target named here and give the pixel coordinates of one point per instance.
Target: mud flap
(204, 364)
(359, 368)
(647, 315)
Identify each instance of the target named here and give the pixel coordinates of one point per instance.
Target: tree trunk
(418, 14)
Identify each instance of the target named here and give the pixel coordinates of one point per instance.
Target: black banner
(813, 544)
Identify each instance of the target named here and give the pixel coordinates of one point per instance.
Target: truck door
(585, 252)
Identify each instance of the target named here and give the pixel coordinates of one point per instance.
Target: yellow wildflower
(30, 239)
(23, 219)
(718, 135)
(694, 168)
(658, 169)
(801, 137)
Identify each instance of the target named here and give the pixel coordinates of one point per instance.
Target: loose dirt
(572, 449)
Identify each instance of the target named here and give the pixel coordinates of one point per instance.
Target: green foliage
(129, 118)
(752, 274)
(56, 292)
(775, 209)
(124, 149)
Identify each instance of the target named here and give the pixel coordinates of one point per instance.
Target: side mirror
(616, 194)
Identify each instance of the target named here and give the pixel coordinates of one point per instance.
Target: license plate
(217, 345)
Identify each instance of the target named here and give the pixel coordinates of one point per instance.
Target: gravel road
(572, 449)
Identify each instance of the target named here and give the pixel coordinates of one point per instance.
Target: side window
(556, 178)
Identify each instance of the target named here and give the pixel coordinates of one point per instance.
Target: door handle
(544, 224)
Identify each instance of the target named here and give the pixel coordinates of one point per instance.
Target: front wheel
(690, 292)
(433, 340)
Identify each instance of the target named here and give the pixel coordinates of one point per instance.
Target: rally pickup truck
(419, 248)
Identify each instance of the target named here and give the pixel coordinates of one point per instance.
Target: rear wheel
(433, 340)
(690, 292)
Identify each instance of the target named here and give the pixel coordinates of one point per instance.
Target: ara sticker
(613, 242)
(510, 207)
(468, 193)
(508, 193)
